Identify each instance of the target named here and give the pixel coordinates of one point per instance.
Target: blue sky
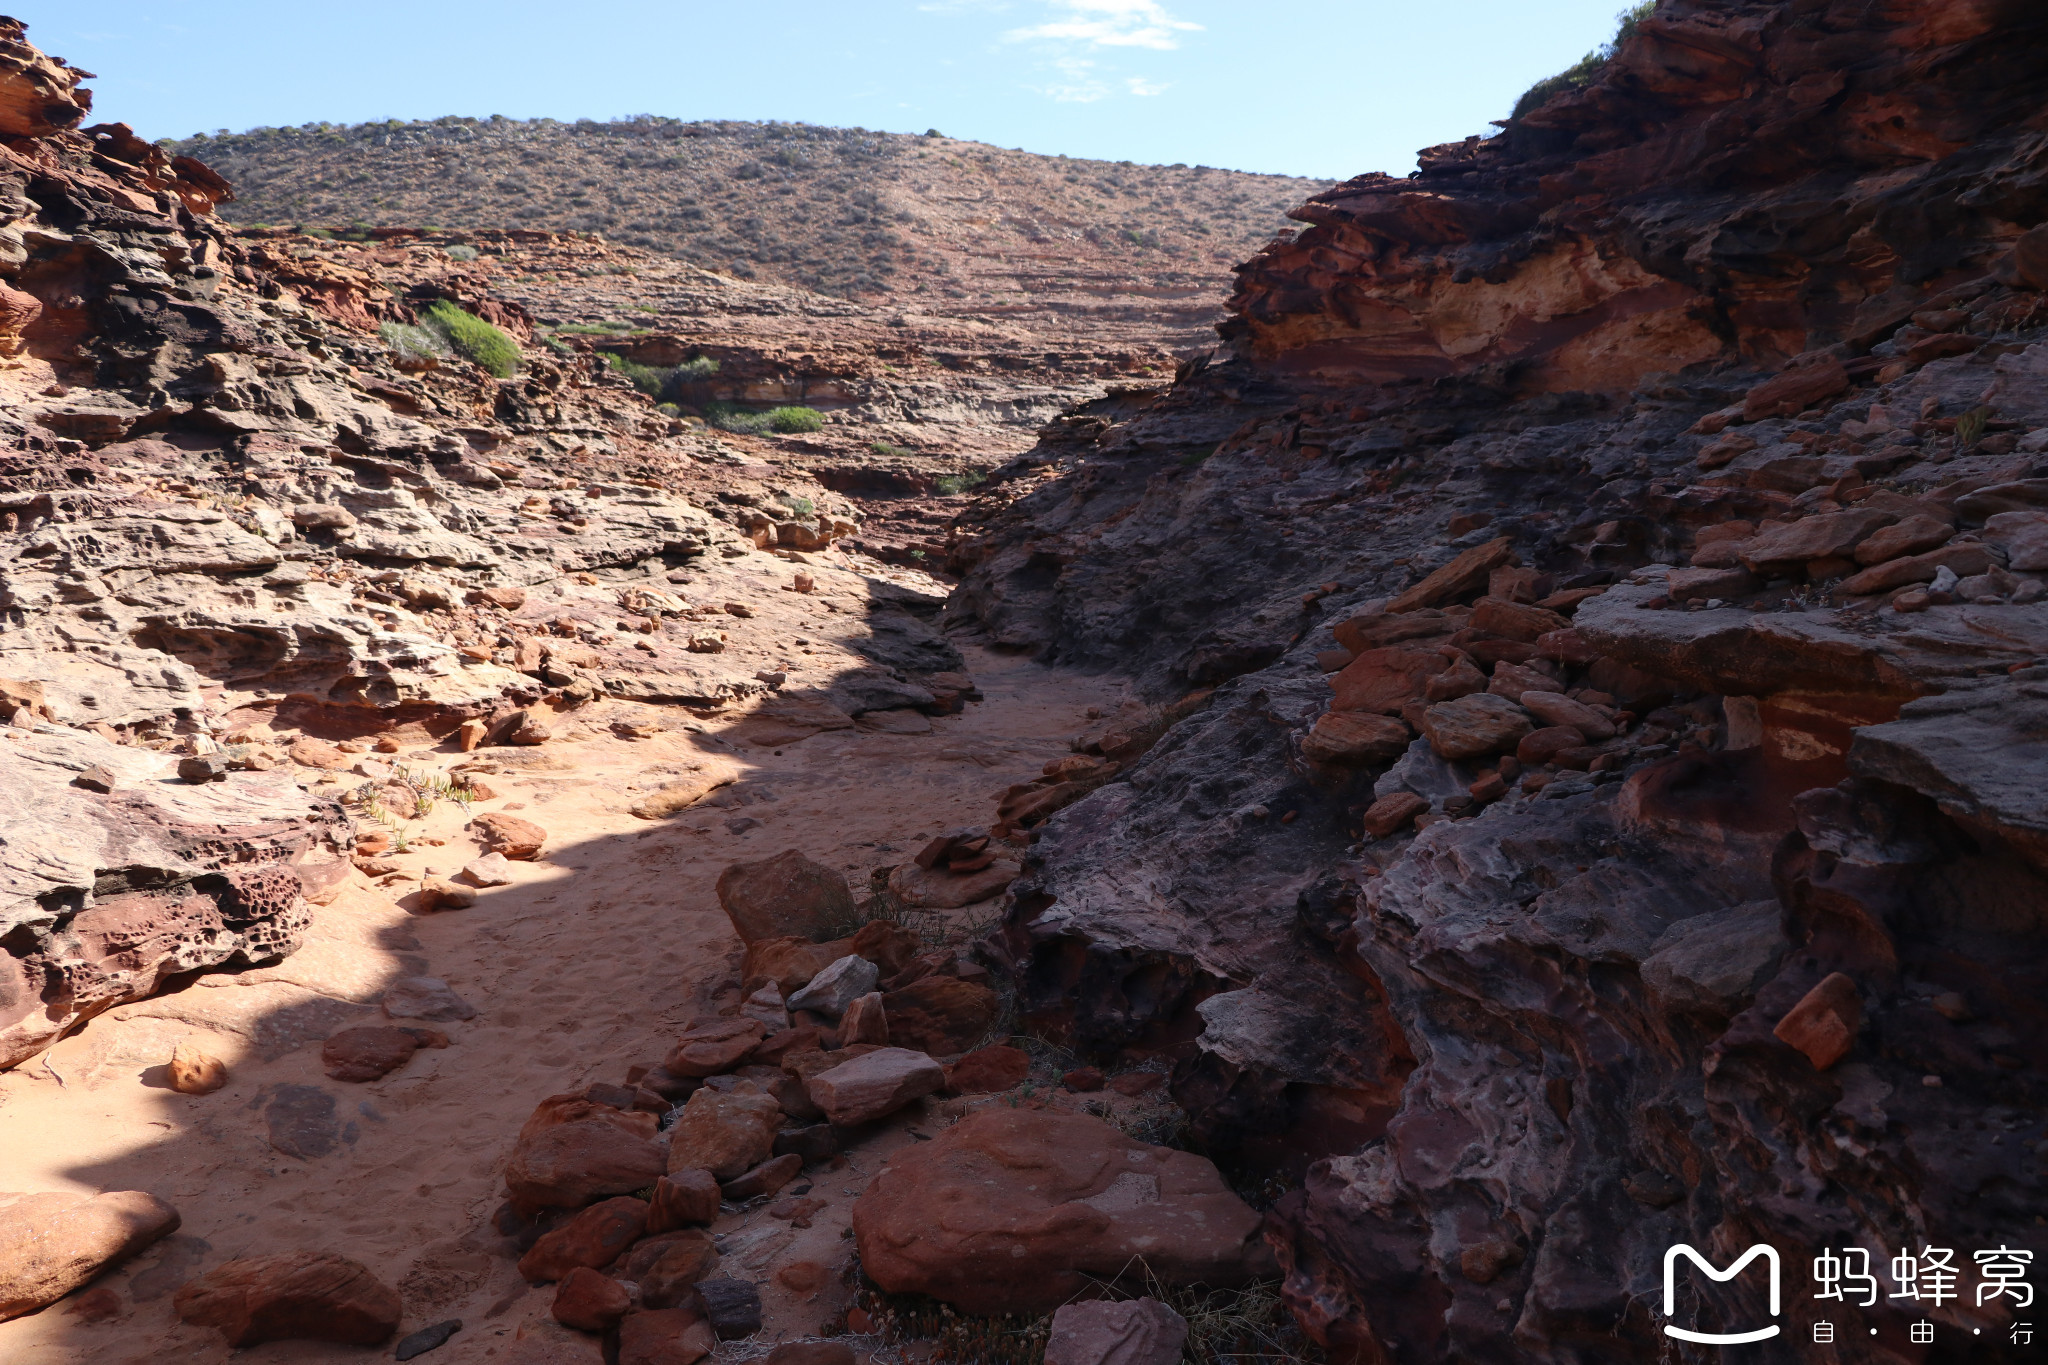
(1318, 87)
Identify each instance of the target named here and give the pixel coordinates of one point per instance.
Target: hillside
(963, 226)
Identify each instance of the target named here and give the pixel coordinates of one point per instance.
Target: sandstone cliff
(1616, 820)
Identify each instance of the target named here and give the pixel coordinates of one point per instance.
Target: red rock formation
(1750, 180)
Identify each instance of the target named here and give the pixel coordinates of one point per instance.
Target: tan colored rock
(520, 840)
(438, 893)
(1391, 812)
(469, 736)
(713, 1047)
(1917, 534)
(493, 869)
(865, 1021)
(296, 1296)
(1823, 1024)
(684, 792)
(51, 1243)
(1384, 680)
(1782, 549)
(724, 1132)
(1461, 578)
(195, 1072)
(1962, 559)
(940, 889)
(1057, 1201)
(788, 962)
(787, 895)
(1554, 708)
(874, 1085)
(1472, 727)
(1355, 739)
(318, 753)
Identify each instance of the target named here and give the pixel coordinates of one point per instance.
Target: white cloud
(1110, 23)
(1140, 86)
(1078, 84)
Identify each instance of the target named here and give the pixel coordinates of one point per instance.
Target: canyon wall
(1596, 572)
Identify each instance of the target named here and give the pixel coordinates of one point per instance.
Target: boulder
(766, 1007)
(1962, 559)
(943, 889)
(1554, 709)
(713, 1047)
(194, 1072)
(1474, 726)
(1796, 389)
(1715, 963)
(887, 944)
(788, 962)
(1098, 1332)
(787, 895)
(874, 1085)
(683, 1198)
(865, 1021)
(724, 1132)
(51, 1243)
(989, 1070)
(299, 1295)
(1355, 738)
(493, 869)
(589, 1301)
(1019, 1210)
(1385, 680)
(839, 985)
(1391, 812)
(1782, 550)
(573, 1151)
(1539, 747)
(766, 1178)
(520, 840)
(364, 1054)
(1459, 579)
(425, 997)
(1823, 1024)
(1515, 620)
(438, 893)
(595, 1238)
(666, 1280)
(1917, 534)
(2024, 538)
(941, 1015)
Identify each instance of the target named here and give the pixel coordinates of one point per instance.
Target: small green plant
(790, 421)
(697, 368)
(1582, 72)
(949, 484)
(799, 507)
(1194, 459)
(1970, 426)
(726, 417)
(649, 379)
(474, 339)
(885, 450)
(462, 251)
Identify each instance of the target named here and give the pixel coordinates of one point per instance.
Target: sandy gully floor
(588, 963)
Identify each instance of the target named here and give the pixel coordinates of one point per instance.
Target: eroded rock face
(297, 1296)
(104, 895)
(1522, 1007)
(52, 1243)
(1052, 1199)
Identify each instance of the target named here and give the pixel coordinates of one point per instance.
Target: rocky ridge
(1614, 821)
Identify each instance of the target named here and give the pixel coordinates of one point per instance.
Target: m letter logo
(1770, 1255)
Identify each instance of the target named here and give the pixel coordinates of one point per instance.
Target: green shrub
(790, 421)
(697, 367)
(1582, 72)
(884, 449)
(800, 507)
(474, 339)
(413, 343)
(461, 251)
(726, 417)
(649, 379)
(949, 484)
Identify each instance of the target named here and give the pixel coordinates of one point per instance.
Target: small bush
(461, 252)
(696, 368)
(799, 507)
(726, 417)
(884, 449)
(950, 484)
(413, 343)
(474, 339)
(791, 421)
(651, 380)
(1582, 72)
